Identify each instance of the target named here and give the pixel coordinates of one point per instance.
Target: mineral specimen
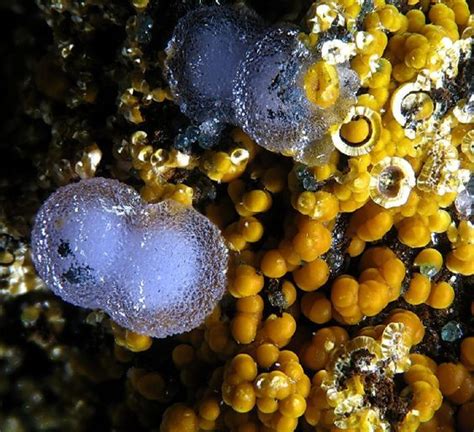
(273, 106)
(97, 245)
(202, 59)
(349, 300)
(275, 87)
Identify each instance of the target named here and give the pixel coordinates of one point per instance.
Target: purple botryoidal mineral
(203, 55)
(156, 269)
(224, 66)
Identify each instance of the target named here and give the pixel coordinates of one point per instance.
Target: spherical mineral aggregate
(156, 269)
(175, 270)
(78, 237)
(202, 58)
(270, 103)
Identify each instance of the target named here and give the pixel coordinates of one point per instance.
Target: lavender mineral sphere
(224, 66)
(203, 56)
(156, 269)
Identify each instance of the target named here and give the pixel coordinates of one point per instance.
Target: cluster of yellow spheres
(335, 262)
(356, 401)
(278, 395)
(342, 276)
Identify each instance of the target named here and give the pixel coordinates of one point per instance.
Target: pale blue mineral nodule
(270, 102)
(222, 65)
(156, 269)
(452, 331)
(202, 59)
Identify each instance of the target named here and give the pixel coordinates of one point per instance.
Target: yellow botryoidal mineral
(467, 146)
(130, 340)
(359, 132)
(391, 182)
(366, 355)
(345, 394)
(441, 172)
(461, 258)
(411, 104)
(17, 273)
(321, 84)
(322, 15)
(463, 112)
(270, 381)
(87, 166)
(225, 166)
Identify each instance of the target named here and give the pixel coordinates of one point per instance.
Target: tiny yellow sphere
(273, 264)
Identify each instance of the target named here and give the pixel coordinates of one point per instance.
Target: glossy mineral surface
(350, 302)
(223, 65)
(270, 103)
(97, 245)
(207, 46)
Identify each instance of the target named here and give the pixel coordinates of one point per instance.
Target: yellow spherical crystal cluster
(278, 395)
(350, 392)
(349, 303)
(131, 341)
(321, 84)
(379, 283)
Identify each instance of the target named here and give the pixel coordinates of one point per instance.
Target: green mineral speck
(451, 332)
(144, 28)
(428, 270)
(306, 179)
